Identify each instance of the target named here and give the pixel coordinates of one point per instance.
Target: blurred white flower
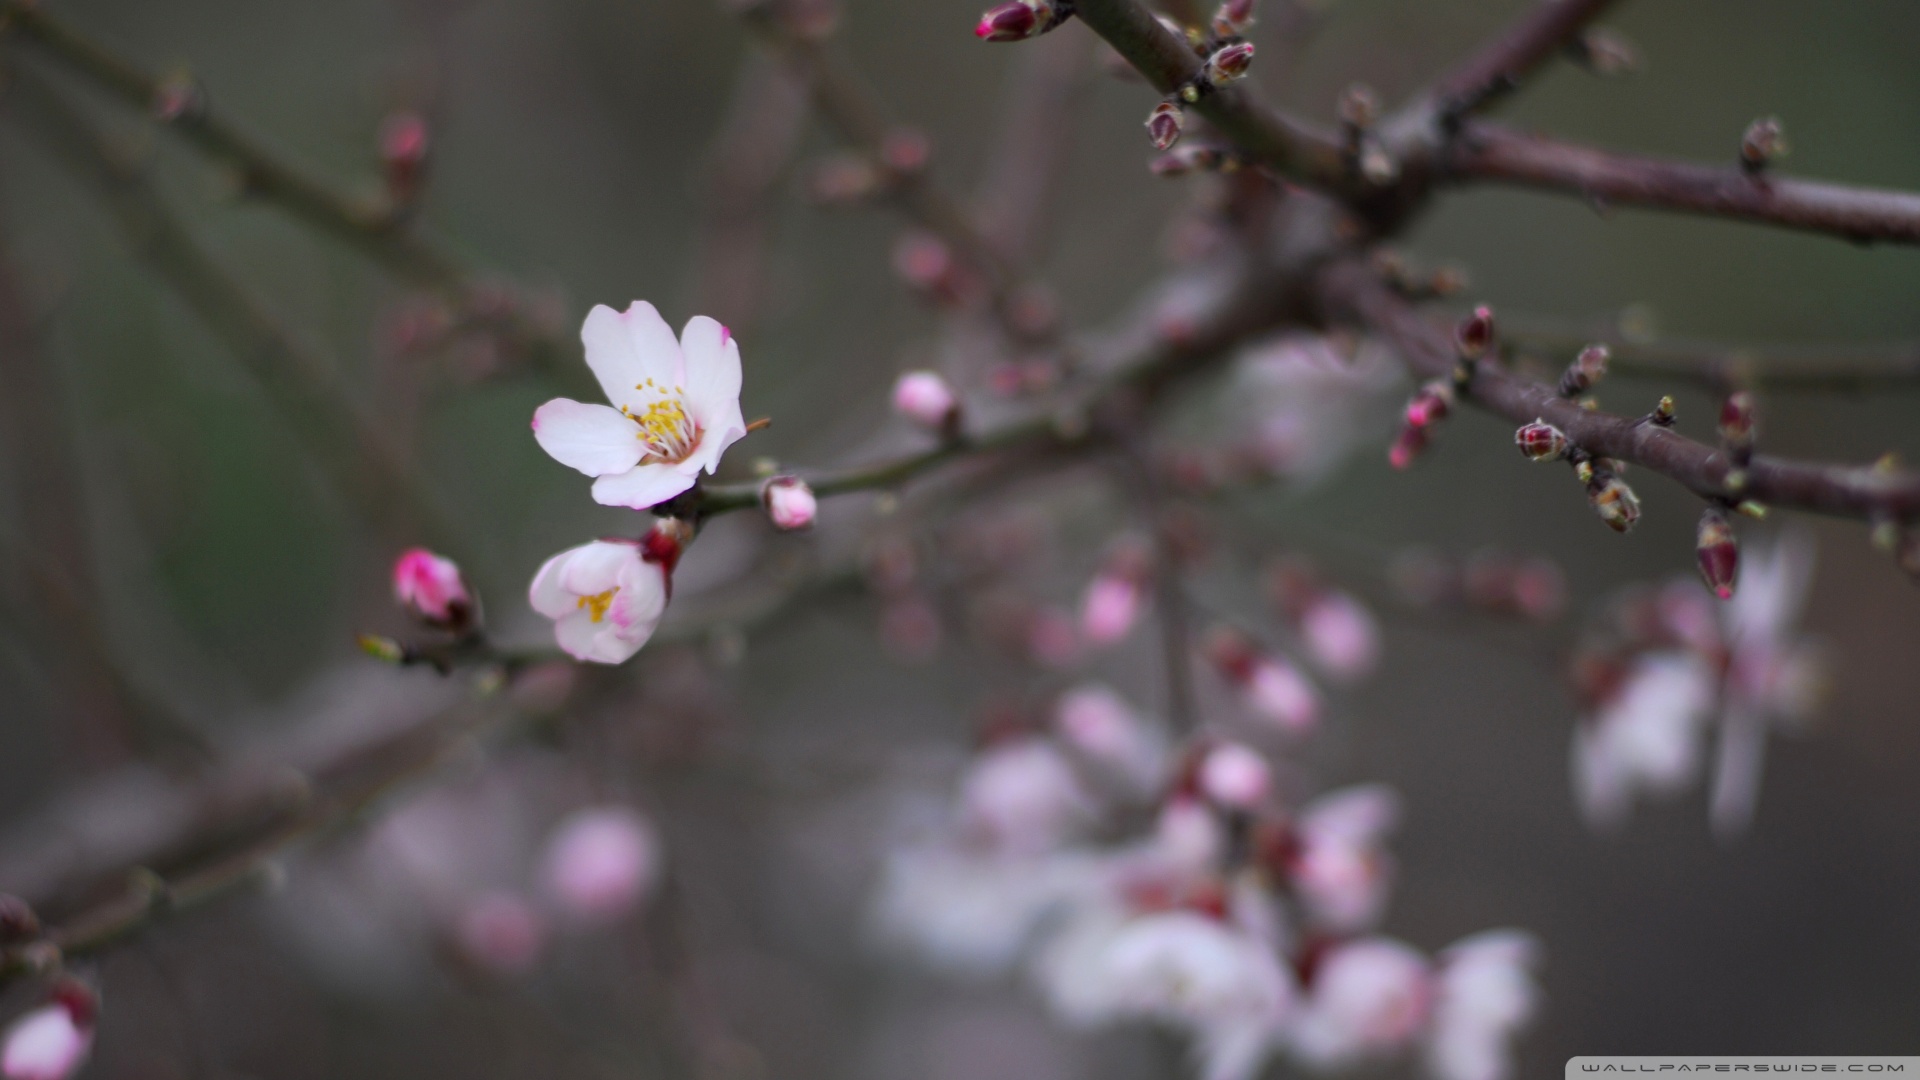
(676, 406)
(1366, 998)
(1645, 739)
(1308, 406)
(600, 863)
(1484, 995)
(1214, 981)
(971, 913)
(1236, 776)
(1340, 870)
(1099, 726)
(1023, 797)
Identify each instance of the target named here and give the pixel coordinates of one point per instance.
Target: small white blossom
(1646, 739)
(1484, 995)
(1368, 998)
(675, 406)
(605, 599)
(1023, 796)
(1341, 872)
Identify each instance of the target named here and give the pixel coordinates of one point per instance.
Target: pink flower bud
(1019, 20)
(1341, 635)
(789, 502)
(1718, 552)
(403, 154)
(1586, 369)
(1474, 335)
(1229, 62)
(1235, 777)
(1541, 441)
(601, 862)
(1115, 596)
(1407, 446)
(430, 586)
(927, 399)
(502, 933)
(1233, 18)
(1615, 502)
(1430, 404)
(905, 151)
(1164, 125)
(1271, 687)
(51, 1042)
(1738, 422)
(926, 264)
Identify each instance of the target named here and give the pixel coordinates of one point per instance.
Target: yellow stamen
(597, 604)
(666, 430)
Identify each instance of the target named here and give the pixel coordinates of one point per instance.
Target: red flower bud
(1020, 19)
(1614, 501)
(1164, 124)
(1541, 441)
(1587, 369)
(1407, 446)
(1737, 424)
(1718, 552)
(1474, 335)
(1229, 62)
(1233, 18)
(1430, 404)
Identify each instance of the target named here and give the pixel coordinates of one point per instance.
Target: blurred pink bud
(1192, 157)
(1540, 589)
(1111, 608)
(1024, 796)
(1407, 446)
(1586, 369)
(1341, 635)
(1229, 62)
(1233, 18)
(924, 262)
(928, 400)
(845, 178)
(177, 96)
(910, 629)
(502, 933)
(789, 502)
(403, 154)
(1100, 727)
(1763, 141)
(430, 586)
(1718, 552)
(1474, 335)
(1737, 424)
(52, 1041)
(1052, 639)
(1541, 441)
(1277, 691)
(1430, 404)
(1017, 20)
(1164, 125)
(601, 862)
(1235, 776)
(905, 151)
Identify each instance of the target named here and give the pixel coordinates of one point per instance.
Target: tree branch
(1497, 70)
(1353, 293)
(1489, 152)
(1719, 366)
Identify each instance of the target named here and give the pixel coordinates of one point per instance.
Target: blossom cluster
(1230, 911)
(1670, 666)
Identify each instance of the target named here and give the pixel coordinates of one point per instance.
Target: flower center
(666, 430)
(596, 605)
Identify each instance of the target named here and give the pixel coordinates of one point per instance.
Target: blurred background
(574, 150)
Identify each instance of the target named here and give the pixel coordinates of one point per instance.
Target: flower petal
(713, 366)
(584, 639)
(644, 485)
(625, 350)
(597, 567)
(546, 595)
(642, 599)
(595, 439)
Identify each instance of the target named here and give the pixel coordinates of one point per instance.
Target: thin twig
(1719, 366)
(1489, 152)
(1497, 70)
(1353, 292)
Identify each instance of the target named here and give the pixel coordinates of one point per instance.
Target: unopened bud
(1359, 107)
(843, 179)
(177, 96)
(789, 503)
(1229, 63)
(1541, 441)
(1614, 501)
(1430, 404)
(665, 542)
(1408, 446)
(1763, 142)
(1014, 21)
(905, 151)
(924, 262)
(1236, 777)
(403, 155)
(1738, 422)
(928, 400)
(1233, 18)
(1605, 53)
(1474, 335)
(431, 587)
(1663, 414)
(17, 920)
(1164, 125)
(1718, 553)
(382, 648)
(1587, 369)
